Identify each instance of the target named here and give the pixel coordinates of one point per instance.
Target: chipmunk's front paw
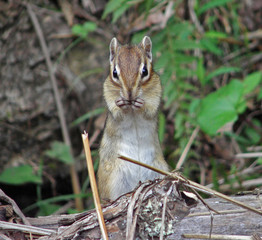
(138, 103)
(122, 103)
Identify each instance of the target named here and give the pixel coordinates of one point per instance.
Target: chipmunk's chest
(137, 138)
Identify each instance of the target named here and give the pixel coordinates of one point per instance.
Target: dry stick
(25, 228)
(185, 152)
(136, 199)
(16, 209)
(216, 236)
(193, 184)
(92, 177)
(3, 237)
(224, 212)
(161, 237)
(131, 220)
(61, 115)
(249, 155)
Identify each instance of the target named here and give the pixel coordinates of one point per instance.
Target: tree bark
(143, 211)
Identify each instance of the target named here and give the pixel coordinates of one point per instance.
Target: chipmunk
(132, 92)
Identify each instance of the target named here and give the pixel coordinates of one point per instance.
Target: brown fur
(131, 127)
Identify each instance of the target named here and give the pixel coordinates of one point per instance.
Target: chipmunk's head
(130, 70)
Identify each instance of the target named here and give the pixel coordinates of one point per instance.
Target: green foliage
(50, 201)
(60, 151)
(252, 81)
(87, 116)
(224, 105)
(19, 175)
(251, 134)
(117, 7)
(220, 71)
(82, 30)
(212, 4)
(259, 161)
(220, 107)
(48, 209)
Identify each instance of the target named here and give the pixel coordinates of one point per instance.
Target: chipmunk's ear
(113, 48)
(147, 45)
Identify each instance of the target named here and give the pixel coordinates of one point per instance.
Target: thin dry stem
(16, 209)
(132, 218)
(192, 184)
(92, 177)
(163, 215)
(187, 148)
(216, 236)
(25, 228)
(249, 155)
(61, 114)
(220, 212)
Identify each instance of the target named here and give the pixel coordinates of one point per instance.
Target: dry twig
(194, 185)
(185, 152)
(5, 198)
(61, 114)
(249, 155)
(217, 236)
(92, 177)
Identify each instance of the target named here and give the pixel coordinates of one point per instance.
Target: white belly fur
(137, 142)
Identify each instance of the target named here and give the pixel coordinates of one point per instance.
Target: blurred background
(209, 57)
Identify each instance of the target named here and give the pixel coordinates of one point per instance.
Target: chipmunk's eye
(144, 71)
(115, 75)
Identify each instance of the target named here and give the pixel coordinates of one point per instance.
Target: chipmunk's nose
(130, 95)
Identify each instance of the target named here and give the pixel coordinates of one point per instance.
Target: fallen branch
(194, 185)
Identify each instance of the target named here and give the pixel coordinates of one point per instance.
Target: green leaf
(220, 107)
(215, 34)
(182, 30)
(241, 106)
(232, 92)
(161, 127)
(259, 96)
(220, 71)
(111, 6)
(87, 116)
(200, 71)
(211, 46)
(89, 26)
(19, 175)
(137, 37)
(179, 125)
(253, 135)
(82, 30)
(259, 161)
(119, 11)
(163, 60)
(252, 81)
(183, 58)
(61, 152)
(48, 209)
(194, 108)
(212, 4)
(185, 44)
(78, 31)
